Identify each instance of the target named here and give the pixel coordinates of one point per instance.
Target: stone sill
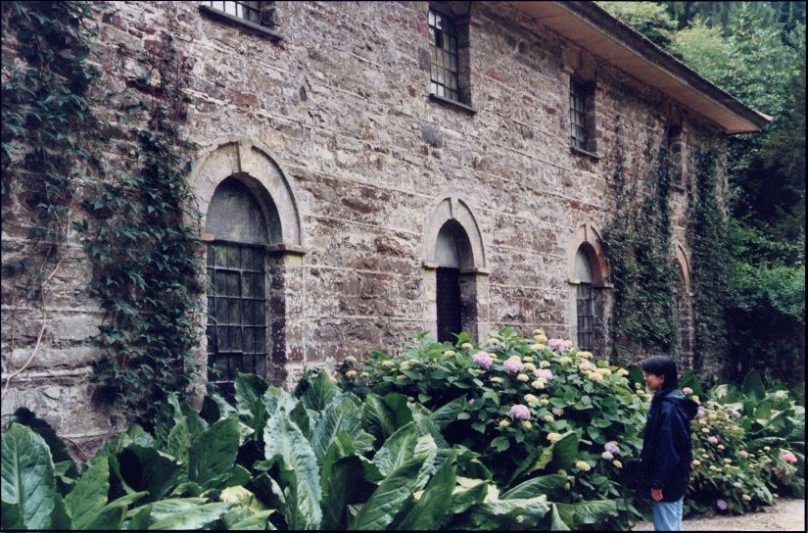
(454, 103)
(259, 30)
(587, 153)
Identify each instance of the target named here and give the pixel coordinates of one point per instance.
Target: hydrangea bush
(516, 400)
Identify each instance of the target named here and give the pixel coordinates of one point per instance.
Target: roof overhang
(593, 29)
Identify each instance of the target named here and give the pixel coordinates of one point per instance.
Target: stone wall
(340, 107)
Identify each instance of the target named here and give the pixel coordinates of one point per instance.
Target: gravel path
(786, 515)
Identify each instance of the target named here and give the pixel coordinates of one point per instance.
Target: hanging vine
(638, 246)
(708, 235)
(137, 229)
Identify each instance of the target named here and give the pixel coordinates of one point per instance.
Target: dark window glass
(586, 316)
(443, 56)
(245, 10)
(450, 319)
(579, 94)
(236, 298)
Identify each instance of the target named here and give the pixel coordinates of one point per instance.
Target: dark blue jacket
(666, 448)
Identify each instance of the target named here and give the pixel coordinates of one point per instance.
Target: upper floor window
(582, 114)
(443, 56)
(449, 57)
(245, 10)
(259, 17)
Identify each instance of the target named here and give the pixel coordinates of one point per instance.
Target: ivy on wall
(137, 228)
(711, 264)
(638, 246)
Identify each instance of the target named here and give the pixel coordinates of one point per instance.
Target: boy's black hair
(664, 366)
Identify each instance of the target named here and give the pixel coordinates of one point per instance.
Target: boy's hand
(656, 495)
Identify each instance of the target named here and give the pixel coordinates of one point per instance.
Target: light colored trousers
(667, 515)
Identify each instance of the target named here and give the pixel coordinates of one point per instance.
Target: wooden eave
(590, 27)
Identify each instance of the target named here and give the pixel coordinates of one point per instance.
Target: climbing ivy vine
(638, 247)
(711, 270)
(137, 227)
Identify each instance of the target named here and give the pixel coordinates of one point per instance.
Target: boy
(666, 449)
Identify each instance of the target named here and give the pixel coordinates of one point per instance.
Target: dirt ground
(785, 515)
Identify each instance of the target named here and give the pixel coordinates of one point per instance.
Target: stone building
(370, 169)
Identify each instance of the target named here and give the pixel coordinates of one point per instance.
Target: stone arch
(454, 270)
(683, 263)
(250, 162)
(259, 193)
(589, 297)
(587, 238)
(457, 211)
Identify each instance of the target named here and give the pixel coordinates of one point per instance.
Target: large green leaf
(565, 451)
(379, 418)
(341, 478)
(196, 517)
(753, 385)
(89, 495)
(249, 392)
(342, 414)
(467, 493)
(690, 379)
(285, 443)
(587, 512)
(557, 523)
(318, 392)
(447, 413)
(389, 497)
(397, 450)
(498, 514)
(213, 453)
(11, 516)
(147, 469)
(57, 446)
(27, 476)
(536, 487)
(433, 508)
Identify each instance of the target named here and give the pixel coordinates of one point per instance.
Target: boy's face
(653, 381)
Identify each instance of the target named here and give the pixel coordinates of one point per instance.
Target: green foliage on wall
(638, 247)
(137, 230)
(711, 261)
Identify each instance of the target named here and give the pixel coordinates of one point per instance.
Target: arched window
(584, 300)
(683, 311)
(236, 282)
(455, 276)
(451, 246)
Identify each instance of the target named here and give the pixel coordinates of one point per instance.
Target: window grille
(246, 10)
(443, 56)
(579, 93)
(586, 316)
(236, 328)
(449, 304)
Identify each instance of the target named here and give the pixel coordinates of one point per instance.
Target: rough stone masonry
(358, 170)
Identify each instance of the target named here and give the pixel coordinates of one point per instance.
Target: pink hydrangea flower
(702, 412)
(483, 360)
(712, 439)
(519, 412)
(744, 454)
(512, 366)
(789, 457)
(612, 447)
(543, 373)
(559, 344)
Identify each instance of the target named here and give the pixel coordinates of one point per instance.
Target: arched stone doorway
(455, 276)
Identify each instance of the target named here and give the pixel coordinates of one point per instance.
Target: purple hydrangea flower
(482, 359)
(543, 373)
(712, 439)
(559, 345)
(512, 366)
(721, 504)
(519, 412)
(611, 447)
